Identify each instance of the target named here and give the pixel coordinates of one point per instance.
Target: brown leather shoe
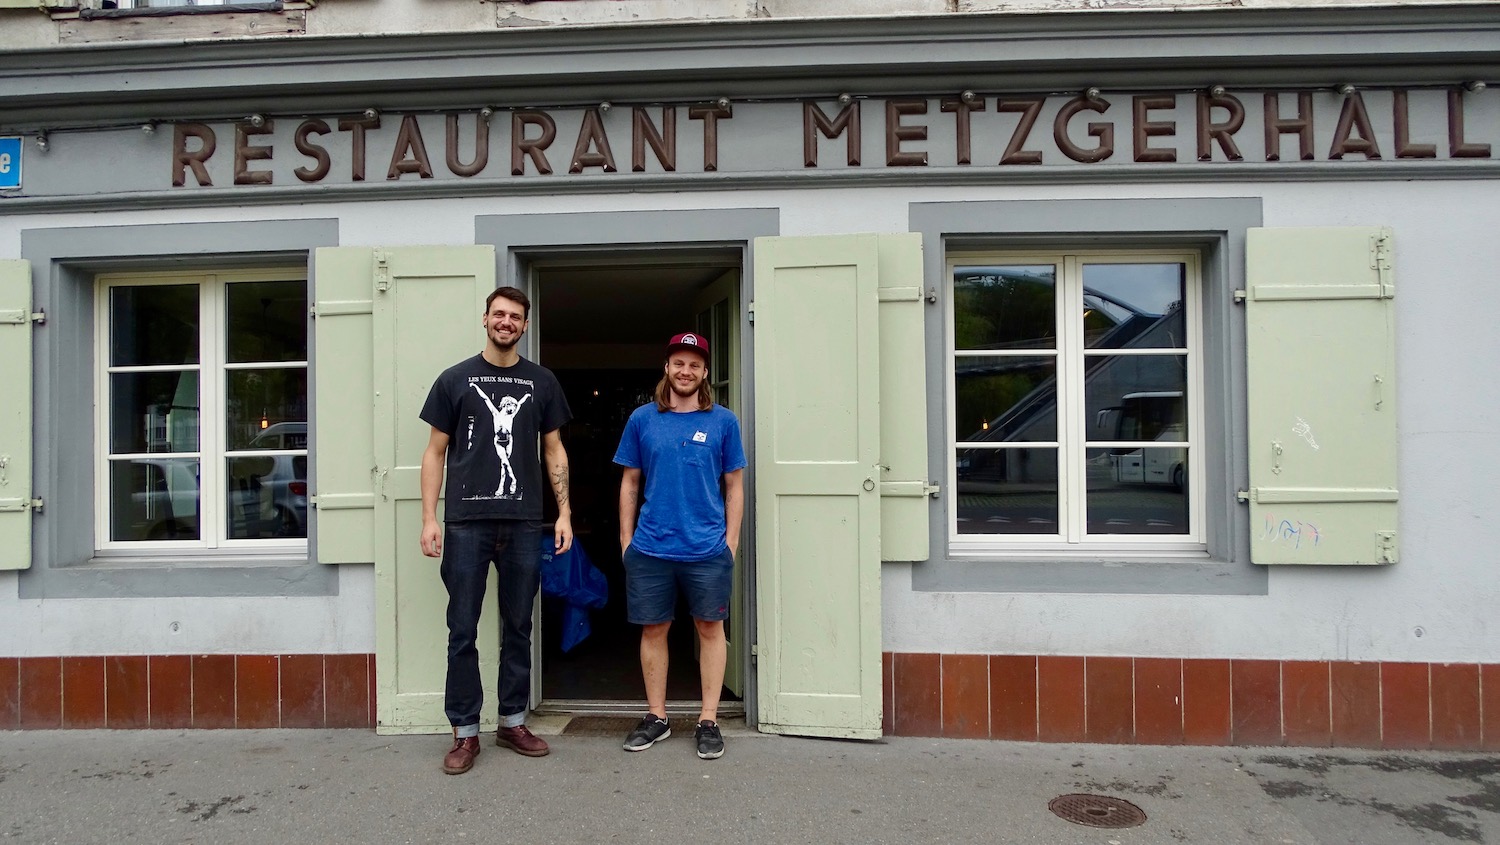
(461, 758)
(521, 740)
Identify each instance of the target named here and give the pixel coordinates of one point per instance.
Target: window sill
(171, 561)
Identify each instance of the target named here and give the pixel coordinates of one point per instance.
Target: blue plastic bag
(572, 577)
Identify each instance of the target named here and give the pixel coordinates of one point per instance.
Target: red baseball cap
(689, 340)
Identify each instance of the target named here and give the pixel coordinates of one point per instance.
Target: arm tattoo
(560, 485)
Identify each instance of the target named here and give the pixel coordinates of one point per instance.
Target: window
(202, 411)
(1075, 391)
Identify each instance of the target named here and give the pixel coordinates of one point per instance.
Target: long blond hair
(664, 394)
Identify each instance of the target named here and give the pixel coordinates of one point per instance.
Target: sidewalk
(353, 786)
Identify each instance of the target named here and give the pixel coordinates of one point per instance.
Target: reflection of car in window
(268, 493)
(164, 504)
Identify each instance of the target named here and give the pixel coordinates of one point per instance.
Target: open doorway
(603, 320)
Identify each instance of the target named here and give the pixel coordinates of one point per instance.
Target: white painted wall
(1446, 583)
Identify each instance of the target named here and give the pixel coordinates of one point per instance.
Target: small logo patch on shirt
(700, 437)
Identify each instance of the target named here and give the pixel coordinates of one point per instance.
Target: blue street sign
(10, 163)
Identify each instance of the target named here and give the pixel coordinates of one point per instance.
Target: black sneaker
(710, 741)
(647, 733)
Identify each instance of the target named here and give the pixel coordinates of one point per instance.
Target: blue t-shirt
(681, 458)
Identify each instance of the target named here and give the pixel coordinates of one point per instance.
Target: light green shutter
(817, 499)
(429, 305)
(15, 415)
(343, 392)
(1320, 341)
(904, 484)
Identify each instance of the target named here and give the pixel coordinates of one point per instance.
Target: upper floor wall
(39, 24)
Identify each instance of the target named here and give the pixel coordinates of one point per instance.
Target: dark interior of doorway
(603, 323)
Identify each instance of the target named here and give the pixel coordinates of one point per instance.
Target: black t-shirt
(494, 417)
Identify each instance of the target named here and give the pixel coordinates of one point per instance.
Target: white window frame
(213, 369)
(1072, 443)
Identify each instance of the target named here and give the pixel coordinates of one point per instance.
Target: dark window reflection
(261, 401)
(1137, 491)
(153, 324)
(1005, 398)
(154, 499)
(1005, 307)
(153, 412)
(267, 321)
(1007, 491)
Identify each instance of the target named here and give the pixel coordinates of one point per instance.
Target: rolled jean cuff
(514, 720)
(465, 731)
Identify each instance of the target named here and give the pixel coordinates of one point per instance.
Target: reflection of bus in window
(1156, 416)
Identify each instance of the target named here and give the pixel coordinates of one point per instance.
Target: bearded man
(676, 453)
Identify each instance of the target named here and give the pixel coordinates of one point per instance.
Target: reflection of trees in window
(1005, 308)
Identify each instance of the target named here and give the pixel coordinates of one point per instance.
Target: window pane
(267, 496)
(266, 407)
(1005, 307)
(1136, 397)
(153, 412)
(154, 499)
(1134, 306)
(1006, 398)
(153, 325)
(1007, 491)
(1137, 491)
(267, 321)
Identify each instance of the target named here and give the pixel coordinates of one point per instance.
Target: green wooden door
(428, 305)
(15, 415)
(817, 485)
(1320, 344)
(718, 319)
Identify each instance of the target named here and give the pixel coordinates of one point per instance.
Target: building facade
(1108, 374)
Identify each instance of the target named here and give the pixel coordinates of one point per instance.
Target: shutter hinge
(21, 505)
(750, 312)
(1242, 496)
(1239, 296)
(932, 294)
(382, 271)
(754, 653)
(21, 318)
(1380, 262)
(1385, 546)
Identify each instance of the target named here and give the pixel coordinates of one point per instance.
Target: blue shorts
(651, 587)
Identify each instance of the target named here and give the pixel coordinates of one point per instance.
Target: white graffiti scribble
(1304, 431)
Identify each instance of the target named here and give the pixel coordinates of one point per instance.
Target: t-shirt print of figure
(504, 417)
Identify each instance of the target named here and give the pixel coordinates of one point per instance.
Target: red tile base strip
(1153, 701)
(188, 691)
(1452, 706)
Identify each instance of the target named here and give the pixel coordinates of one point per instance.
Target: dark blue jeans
(514, 546)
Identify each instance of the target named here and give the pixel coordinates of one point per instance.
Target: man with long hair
(676, 452)
(493, 514)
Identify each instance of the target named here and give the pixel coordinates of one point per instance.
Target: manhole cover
(1096, 810)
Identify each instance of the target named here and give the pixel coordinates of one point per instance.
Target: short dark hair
(515, 295)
